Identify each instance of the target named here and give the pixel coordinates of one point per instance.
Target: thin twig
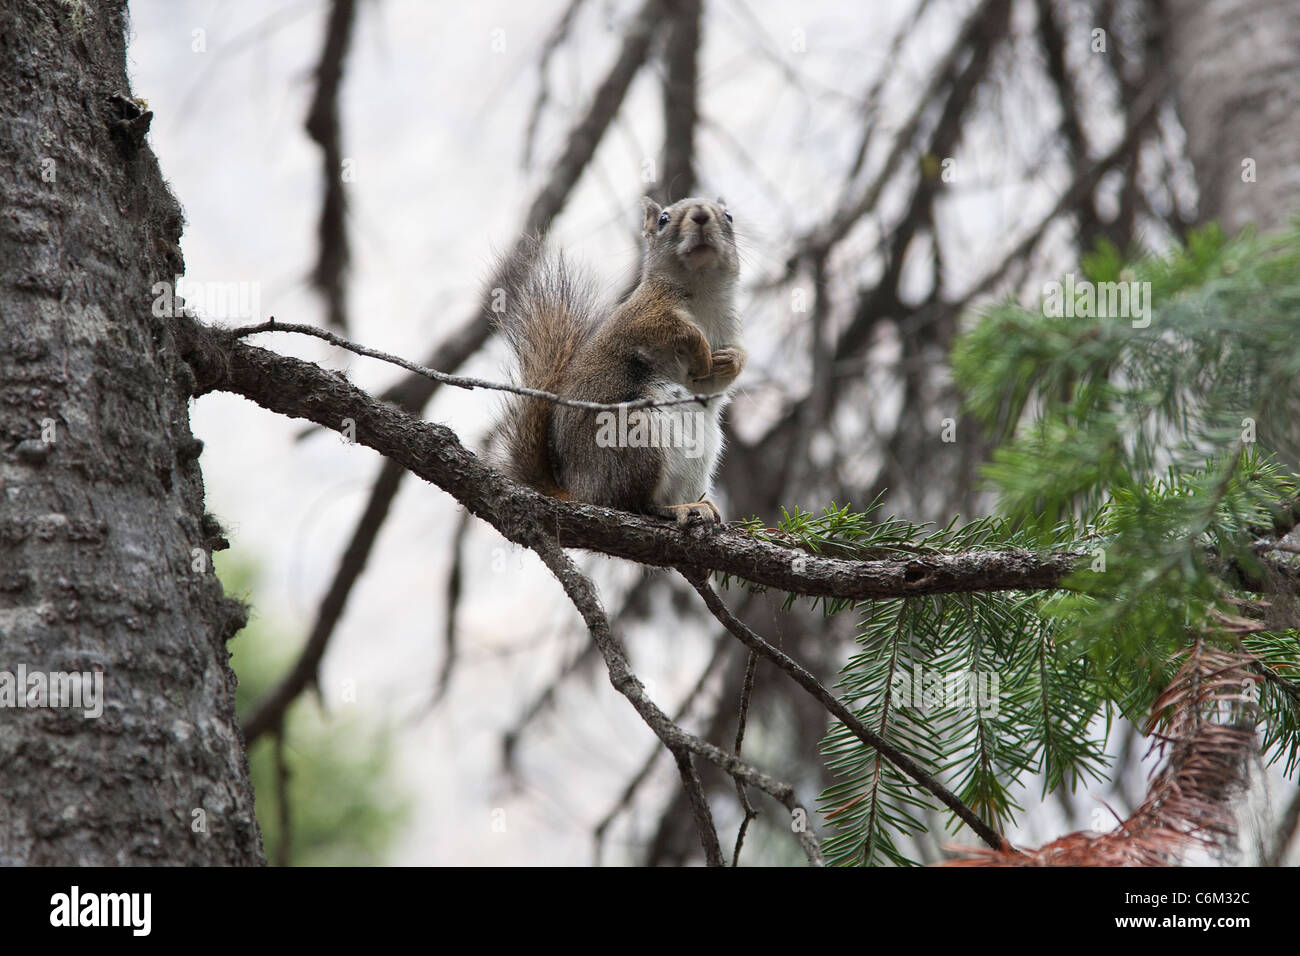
(825, 237)
(751, 666)
(699, 805)
(720, 648)
(583, 595)
(463, 381)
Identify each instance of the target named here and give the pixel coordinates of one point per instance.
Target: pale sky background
(433, 120)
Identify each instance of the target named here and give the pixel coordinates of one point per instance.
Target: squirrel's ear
(652, 211)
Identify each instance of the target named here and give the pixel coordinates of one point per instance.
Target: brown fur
(547, 317)
(651, 339)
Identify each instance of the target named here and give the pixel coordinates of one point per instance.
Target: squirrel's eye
(728, 215)
(663, 220)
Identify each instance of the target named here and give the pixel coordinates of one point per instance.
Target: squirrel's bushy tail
(545, 312)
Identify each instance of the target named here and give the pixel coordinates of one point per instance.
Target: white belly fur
(691, 439)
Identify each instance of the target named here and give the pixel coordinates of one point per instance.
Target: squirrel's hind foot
(682, 514)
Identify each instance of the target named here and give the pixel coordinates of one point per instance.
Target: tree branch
(465, 381)
(746, 691)
(330, 274)
(680, 107)
(679, 742)
(720, 648)
(699, 804)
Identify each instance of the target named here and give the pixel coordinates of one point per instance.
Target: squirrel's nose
(700, 216)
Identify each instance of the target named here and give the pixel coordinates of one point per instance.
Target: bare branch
(330, 274)
(583, 595)
(465, 381)
(820, 241)
(699, 805)
(680, 107)
(720, 648)
(746, 691)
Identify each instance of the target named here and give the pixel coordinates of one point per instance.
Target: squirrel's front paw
(725, 366)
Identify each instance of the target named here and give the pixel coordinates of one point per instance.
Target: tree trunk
(1236, 66)
(105, 554)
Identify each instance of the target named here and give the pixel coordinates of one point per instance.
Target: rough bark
(105, 553)
(1236, 67)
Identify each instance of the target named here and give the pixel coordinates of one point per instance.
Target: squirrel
(676, 335)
